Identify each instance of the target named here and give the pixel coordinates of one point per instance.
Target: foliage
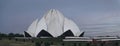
(11, 35)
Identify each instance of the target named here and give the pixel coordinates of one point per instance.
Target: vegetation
(13, 42)
(11, 35)
(9, 40)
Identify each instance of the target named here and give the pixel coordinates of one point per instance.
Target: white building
(53, 24)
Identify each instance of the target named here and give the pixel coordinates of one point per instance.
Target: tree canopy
(11, 35)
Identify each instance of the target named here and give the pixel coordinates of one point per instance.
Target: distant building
(53, 24)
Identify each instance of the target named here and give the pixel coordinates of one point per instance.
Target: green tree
(3, 35)
(18, 35)
(11, 35)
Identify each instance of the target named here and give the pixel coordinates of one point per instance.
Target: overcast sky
(95, 17)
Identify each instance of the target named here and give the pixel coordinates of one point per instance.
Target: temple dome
(53, 24)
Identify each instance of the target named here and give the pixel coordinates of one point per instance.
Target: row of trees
(11, 35)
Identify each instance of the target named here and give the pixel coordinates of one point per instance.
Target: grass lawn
(12, 42)
(51, 41)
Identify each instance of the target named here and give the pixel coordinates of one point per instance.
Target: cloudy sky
(95, 17)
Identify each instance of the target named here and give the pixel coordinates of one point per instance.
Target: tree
(3, 35)
(11, 35)
(18, 35)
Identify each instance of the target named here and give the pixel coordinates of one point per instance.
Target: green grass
(7, 42)
(48, 41)
(59, 42)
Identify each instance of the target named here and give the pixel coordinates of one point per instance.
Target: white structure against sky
(54, 23)
(54, 20)
(32, 28)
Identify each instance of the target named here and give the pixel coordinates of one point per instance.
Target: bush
(11, 35)
(0, 38)
(37, 44)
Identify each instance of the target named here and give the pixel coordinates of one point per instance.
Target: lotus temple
(53, 24)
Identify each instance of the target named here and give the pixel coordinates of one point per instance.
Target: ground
(13, 42)
(52, 42)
